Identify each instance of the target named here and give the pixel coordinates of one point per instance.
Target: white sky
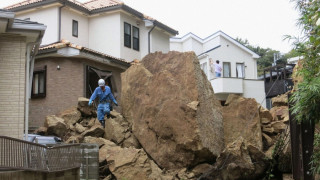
(262, 22)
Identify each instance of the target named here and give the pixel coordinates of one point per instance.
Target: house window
(127, 35)
(74, 28)
(226, 69)
(240, 70)
(135, 38)
(39, 83)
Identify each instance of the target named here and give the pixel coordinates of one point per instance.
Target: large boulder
(95, 131)
(131, 163)
(55, 126)
(116, 129)
(280, 100)
(100, 141)
(84, 108)
(172, 109)
(241, 118)
(70, 116)
(280, 113)
(238, 161)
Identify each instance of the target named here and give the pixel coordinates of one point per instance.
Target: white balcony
(227, 85)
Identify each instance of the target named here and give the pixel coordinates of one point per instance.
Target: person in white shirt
(218, 69)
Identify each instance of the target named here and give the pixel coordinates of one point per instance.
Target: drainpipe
(29, 76)
(59, 30)
(149, 38)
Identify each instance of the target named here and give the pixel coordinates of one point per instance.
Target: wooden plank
(307, 138)
(297, 170)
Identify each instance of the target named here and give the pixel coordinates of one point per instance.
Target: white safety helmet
(101, 82)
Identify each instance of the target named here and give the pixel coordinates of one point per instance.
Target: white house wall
(197, 47)
(160, 41)
(255, 89)
(176, 46)
(47, 16)
(229, 52)
(104, 34)
(211, 43)
(129, 53)
(67, 16)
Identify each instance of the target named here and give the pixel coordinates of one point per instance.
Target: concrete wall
(12, 86)
(104, 34)
(47, 16)
(67, 16)
(64, 86)
(72, 174)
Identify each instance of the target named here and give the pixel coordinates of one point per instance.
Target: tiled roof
(23, 3)
(97, 4)
(90, 5)
(66, 43)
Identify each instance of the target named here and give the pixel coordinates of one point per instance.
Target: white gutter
(29, 76)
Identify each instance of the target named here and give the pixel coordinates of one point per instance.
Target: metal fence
(19, 154)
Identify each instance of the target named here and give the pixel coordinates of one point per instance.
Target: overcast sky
(261, 22)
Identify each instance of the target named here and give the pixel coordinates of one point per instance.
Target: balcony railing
(227, 85)
(17, 154)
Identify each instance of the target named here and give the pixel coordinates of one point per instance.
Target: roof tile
(65, 43)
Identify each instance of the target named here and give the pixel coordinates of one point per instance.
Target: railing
(19, 154)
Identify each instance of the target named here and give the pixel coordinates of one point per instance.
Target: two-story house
(85, 42)
(239, 64)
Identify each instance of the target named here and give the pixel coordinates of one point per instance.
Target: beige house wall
(12, 85)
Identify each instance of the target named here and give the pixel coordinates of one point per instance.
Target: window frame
(243, 70)
(75, 24)
(40, 95)
(125, 35)
(135, 38)
(223, 64)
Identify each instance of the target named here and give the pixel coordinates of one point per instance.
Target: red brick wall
(64, 86)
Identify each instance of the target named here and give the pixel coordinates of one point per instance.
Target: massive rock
(70, 116)
(280, 112)
(172, 109)
(84, 108)
(238, 161)
(280, 100)
(241, 118)
(95, 131)
(55, 126)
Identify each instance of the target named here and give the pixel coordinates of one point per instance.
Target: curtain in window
(102, 74)
(240, 70)
(226, 69)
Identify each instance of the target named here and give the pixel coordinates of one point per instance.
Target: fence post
(301, 137)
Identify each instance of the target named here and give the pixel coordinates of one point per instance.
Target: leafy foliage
(315, 163)
(266, 55)
(307, 96)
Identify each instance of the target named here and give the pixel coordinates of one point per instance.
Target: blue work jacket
(104, 96)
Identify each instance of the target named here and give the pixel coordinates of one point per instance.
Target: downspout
(149, 37)
(59, 27)
(29, 76)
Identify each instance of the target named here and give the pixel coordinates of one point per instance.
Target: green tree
(307, 95)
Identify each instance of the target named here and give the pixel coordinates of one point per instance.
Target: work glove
(116, 104)
(90, 103)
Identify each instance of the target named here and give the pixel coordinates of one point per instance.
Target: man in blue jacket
(105, 97)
